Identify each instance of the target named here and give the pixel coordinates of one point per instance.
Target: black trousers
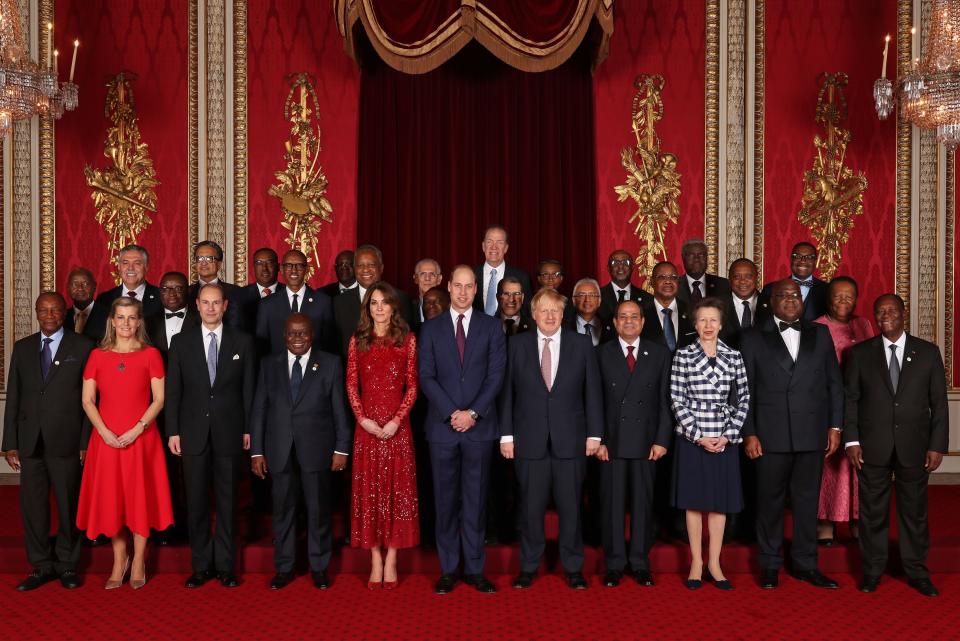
(539, 479)
(626, 481)
(38, 475)
(200, 472)
(911, 496)
(316, 487)
(778, 473)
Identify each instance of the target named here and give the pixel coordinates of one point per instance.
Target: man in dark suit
(132, 265)
(620, 288)
(696, 283)
(586, 318)
(296, 297)
(638, 428)
(246, 300)
(343, 268)
(510, 306)
(207, 260)
(742, 308)
(551, 420)
(435, 302)
(368, 267)
(462, 360)
(665, 306)
(45, 436)
(209, 392)
(301, 432)
(426, 274)
(796, 409)
(495, 245)
(815, 292)
(81, 286)
(896, 424)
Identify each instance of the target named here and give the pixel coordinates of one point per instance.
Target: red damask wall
(665, 37)
(149, 38)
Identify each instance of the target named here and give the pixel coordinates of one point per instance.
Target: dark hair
(508, 280)
(179, 275)
(844, 279)
(223, 292)
(442, 291)
(82, 270)
(661, 264)
(398, 330)
(804, 243)
(711, 302)
(903, 306)
(267, 249)
(212, 245)
(741, 260)
(52, 294)
(506, 235)
(549, 261)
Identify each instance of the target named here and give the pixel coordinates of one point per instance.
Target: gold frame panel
(711, 180)
(759, 82)
(904, 162)
(948, 273)
(47, 166)
(240, 141)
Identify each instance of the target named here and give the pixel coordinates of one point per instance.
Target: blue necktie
(296, 377)
(668, 334)
(212, 358)
(46, 358)
(490, 307)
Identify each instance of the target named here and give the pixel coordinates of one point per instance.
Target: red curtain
(476, 142)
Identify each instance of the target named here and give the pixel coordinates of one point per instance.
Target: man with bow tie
(796, 410)
(813, 291)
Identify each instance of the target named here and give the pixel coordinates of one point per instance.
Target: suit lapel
(469, 347)
(780, 352)
(61, 351)
(199, 348)
(564, 355)
(309, 373)
(224, 353)
(808, 343)
(906, 363)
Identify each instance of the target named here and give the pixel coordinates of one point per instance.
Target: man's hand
(462, 421)
(593, 446)
(13, 459)
(855, 454)
(657, 452)
(246, 441)
(603, 453)
(833, 442)
(506, 449)
(751, 445)
(370, 427)
(174, 444)
(934, 459)
(389, 429)
(83, 457)
(258, 465)
(339, 462)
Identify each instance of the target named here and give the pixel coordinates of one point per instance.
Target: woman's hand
(710, 444)
(389, 430)
(370, 426)
(722, 443)
(131, 435)
(109, 438)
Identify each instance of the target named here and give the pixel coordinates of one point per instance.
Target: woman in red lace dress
(382, 387)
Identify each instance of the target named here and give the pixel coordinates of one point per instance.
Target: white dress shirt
(272, 289)
(56, 338)
(139, 291)
(791, 338)
(901, 344)
(738, 306)
(467, 315)
(362, 291)
(301, 297)
(616, 292)
(703, 283)
(174, 324)
(673, 317)
(206, 339)
(487, 268)
(346, 288)
(624, 344)
(594, 329)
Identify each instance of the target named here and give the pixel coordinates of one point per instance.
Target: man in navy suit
(815, 292)
(494, 268)
(81, 286)
(620, 287)
(664, 307)
(462, 361)
(551, 420)
(247, 299)
(697, 284)
(296, 297)
(132, 265)
(300, 430)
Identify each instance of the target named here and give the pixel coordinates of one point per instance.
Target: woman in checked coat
(710, 398)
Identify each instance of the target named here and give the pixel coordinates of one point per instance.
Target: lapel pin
(646, 353)
(909, 359)
(315, 367)
(236, 357)
(309, 300)
(58, 362)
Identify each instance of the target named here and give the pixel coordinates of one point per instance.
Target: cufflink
(236, 357)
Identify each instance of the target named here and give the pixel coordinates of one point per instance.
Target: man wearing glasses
(803, 260)
(247, 299)
(494, 269)
(207, 260)
(696, 283)
(296, 297)
(587, 320)
(426, 274)
(667, 319)
(510, 310)
(549, 274)
(620, 287)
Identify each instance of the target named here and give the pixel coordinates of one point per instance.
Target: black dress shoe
(445, 584)
(321, 580)
(693, 584)
(70, 579)
(643, 577)
(769, 579)
(814, 578)
(869, 583)
(229, 580)
(480, 582)
(575, 581)
(523, 580)
(198, 578)
(611, 578)
(281, 580)
(924, 587)
(100, 540)
(723, 585)
(35, 579)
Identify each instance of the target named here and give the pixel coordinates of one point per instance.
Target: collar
(343, 287)
(174, 311)
(304, 358)
(808, 279)
(201, 282)
(581, 321)
(57, 336)
(501, 268)
(738, 302)
(702, 280)
(467, 315)
(87, 309)
(660, 308)
(272, 288)
(555, 339)
(218, 331)
(624, 344)
(901, 343)
(140, 290)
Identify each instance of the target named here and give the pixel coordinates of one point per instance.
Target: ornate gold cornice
(904, 160)
(48, 227)
(711, 182)
(240, 141)
(758, 139)
(193, 135)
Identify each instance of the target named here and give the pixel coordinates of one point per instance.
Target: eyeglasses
(268, 261)
(808, 258)
(662, 277)
(550, 274)
(295, 266)
(173, 288)
(620, 263)
(206, 259)
(788, 295)
(581, 296)
(511, 295)
(427, 275)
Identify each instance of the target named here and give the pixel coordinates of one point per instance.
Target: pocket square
(236, 357)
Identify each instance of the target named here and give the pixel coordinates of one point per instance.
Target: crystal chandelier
(25, 87)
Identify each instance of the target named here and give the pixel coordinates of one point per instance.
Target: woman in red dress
(125, 476)
(839, 495)
(382, 387)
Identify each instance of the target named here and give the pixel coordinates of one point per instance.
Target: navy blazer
(450, 386)
(608, 300)
(480, 301)
(315, 423)
(715, 286)
(96, 325)
(273, 311)
(564, 415)
(653, 329)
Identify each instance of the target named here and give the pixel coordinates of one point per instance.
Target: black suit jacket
(715, 286)
(563, 416)
(480, 300)
(909, 422)
(201, 414)
(346, 312)
(607, 331)
(97, 323)
(246, 302)
(272, 313)
(232, 316)
(524, 325)
(608, 299)
(653, 330)
(792, 404)
(316, 422)
(731, 326)
(51, 409)
(68, 320)
(816, 304)
(636, 405)
(157, 328)
(331, 289)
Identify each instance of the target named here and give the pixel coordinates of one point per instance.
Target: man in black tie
(45, 436)
(247, 299)
(132, 265)
(296, 297)
(796, 409)
(697, 284)
(209, 392)
(301, 433)
(896, 425)
(666, 319)
(81, 286)
(343, 268)
(815, 292)
(510, 305)
(586, 319)
(426, 274)
(620, 287)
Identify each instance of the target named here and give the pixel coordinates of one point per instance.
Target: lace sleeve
(353, 382)
(410, 395)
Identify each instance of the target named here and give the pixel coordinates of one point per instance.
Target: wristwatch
(473, 415)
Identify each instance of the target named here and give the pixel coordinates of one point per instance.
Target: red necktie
(132, 294)
(461, 337)
(631, 359)
(266, 292)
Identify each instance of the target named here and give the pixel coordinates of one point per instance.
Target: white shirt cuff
(594, 438)
(256, 456)
(506, 439)
(851, 444)
(341, 453)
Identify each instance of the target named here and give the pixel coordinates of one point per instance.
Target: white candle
(886, 47)
(73, 63)
(49, 45)
(56, 63)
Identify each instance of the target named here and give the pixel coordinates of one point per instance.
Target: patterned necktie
(266, 292)
(696, 294)
(894, 368)
(669, 334)
(631, 359)
(805, 286)
(79, 321)
(461, 338)
(296, 377)
(212, 358)
(294, 306)
(747, 319)
(546, 364)
(46, 358)
(490, 307)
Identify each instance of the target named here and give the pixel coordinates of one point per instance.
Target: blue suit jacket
(272, 313)
(450, 386)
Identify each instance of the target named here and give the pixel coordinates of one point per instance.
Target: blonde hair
(550, 294)
(110, 337)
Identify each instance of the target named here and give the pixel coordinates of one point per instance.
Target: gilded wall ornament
(832, 193)
(124, 192)
(302, 186)
(653, 181)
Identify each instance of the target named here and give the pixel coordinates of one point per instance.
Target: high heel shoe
(723, 584)
(374, 585)
(113, 585)
(390, 585)
(136, 584)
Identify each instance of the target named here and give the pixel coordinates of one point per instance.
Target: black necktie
(296, 377)
(621, 295)
(669, 335)
(785, 326)
(696, 294)
(46, 359)
(588, 330)
(509, 326)
(132, 294)
(172, 314)
(747, 319)
(294, 307)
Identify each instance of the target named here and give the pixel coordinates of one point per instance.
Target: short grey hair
(692, 242)
(368, 248)
(132, 247)
(416, 268)
(586, 281)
